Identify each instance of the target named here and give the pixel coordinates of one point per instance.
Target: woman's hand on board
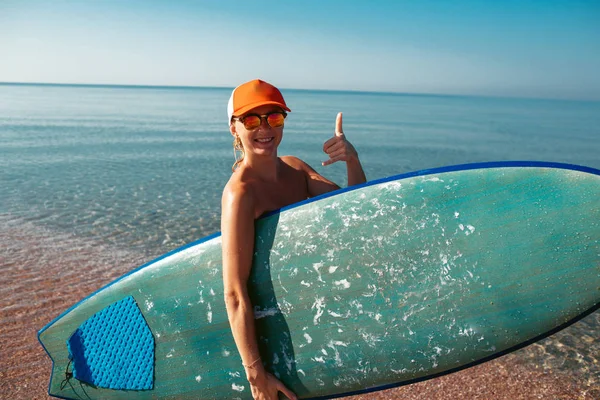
(265, 386)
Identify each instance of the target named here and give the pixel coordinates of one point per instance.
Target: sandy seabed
(42, 274)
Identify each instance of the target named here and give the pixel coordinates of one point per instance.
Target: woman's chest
(272, 196)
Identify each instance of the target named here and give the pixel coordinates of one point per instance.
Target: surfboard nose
(114, 349)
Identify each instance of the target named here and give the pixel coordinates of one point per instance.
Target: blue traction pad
(114, 349)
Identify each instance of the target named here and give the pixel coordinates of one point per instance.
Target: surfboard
(369, 287)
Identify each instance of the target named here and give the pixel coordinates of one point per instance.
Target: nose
(263, 120)
(264, 124)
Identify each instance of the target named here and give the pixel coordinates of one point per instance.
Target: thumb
(338, 125)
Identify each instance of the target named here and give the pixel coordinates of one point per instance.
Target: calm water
(144, 167)
(140, 170)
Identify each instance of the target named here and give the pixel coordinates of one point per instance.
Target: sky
(526, 48)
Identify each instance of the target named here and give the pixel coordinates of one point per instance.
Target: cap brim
(252, 106)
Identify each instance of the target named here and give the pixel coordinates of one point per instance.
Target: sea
(96, 180)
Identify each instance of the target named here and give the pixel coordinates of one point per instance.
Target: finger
(335, 146)
(330, 143)
(334, 143)
(337, 153)
(338, 125)
(332, 160)
(288, 393)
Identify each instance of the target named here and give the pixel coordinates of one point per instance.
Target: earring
(237, 146)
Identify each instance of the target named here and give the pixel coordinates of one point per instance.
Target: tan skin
(265, 182)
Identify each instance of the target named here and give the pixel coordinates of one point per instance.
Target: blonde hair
(237, 146)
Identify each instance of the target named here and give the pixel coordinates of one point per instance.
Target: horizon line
(347, 91)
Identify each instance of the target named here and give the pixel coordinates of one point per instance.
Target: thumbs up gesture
(338, 148)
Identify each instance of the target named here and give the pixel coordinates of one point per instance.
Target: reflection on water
(575, 351)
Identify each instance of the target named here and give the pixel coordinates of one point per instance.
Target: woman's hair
(237, 146)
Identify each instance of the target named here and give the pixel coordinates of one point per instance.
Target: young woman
(261, 182)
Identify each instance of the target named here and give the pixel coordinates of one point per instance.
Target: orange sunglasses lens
(251, 122)
(275, 119)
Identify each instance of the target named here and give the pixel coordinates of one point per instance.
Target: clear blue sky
(526, 48)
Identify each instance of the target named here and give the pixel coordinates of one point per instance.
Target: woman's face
(262, 141)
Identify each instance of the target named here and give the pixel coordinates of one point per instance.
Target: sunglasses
(253, 121)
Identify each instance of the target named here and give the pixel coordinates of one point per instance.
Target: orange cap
(253, 94)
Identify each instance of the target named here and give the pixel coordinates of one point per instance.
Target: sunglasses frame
(261, 117)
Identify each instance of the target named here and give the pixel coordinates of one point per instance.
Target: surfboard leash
(67, 381)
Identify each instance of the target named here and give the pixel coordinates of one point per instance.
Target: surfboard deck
(379, 285)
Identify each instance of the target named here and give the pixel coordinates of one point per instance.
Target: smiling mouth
(264, 140)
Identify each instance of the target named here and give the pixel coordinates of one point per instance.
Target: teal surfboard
(382, 284)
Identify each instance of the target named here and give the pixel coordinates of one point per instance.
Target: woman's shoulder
(299, 165)
(294, 162)
(238, 189)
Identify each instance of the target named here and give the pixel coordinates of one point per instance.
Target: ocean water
(98, 179)
(144, 167)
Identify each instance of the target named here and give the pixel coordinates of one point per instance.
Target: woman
(262, 182)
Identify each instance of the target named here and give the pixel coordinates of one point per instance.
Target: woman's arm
(356, 174)
(237, 230)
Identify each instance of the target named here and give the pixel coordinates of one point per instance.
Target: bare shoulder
(296, 163)
(316, 183)
(237, 192)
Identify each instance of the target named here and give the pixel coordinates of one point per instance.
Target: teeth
(264, 140)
